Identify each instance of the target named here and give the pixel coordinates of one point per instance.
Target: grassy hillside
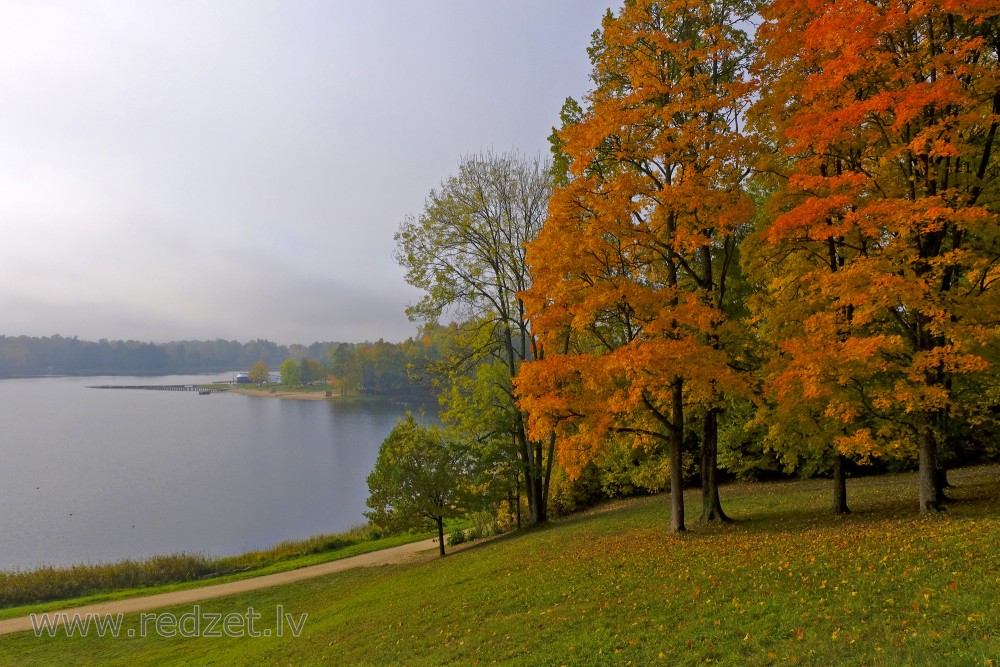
(788, 584)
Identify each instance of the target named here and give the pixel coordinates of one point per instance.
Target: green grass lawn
(787, 584)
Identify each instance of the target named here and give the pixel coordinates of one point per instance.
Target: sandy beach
(277, 392)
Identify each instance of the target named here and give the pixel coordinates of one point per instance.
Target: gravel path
(390, 556)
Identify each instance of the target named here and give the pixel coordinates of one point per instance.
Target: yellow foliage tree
(884, 233)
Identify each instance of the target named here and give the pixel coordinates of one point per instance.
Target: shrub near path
(788, 584)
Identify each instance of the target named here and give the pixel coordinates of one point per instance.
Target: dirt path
(391, 556)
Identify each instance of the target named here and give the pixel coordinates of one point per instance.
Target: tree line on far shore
(377, 368)
(370, 369)
(32, 356)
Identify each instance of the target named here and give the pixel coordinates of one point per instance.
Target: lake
(94, 475)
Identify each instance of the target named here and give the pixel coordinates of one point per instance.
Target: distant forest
(24, 356)
(367, 368)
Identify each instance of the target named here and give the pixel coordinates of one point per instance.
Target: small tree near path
(419, 480)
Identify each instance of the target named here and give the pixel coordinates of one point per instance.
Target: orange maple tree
(885, 114)
(630, 270)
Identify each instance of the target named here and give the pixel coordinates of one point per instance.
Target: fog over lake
(92, 475)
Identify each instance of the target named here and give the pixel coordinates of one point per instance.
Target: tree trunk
(839, 485)
(711, 506)
(440, 523)
(532, 469)
(676, 463)
(927, 477)
(530, 477)
(942, 482)
(547, 479)
(517, 491)
(539, 515)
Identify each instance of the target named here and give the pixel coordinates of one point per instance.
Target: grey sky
(236, 170)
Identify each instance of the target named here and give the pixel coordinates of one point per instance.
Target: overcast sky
(236, 169)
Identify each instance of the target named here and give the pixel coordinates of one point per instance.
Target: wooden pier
(201, 389)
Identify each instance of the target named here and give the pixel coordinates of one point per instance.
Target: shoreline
(284, 393)
(320, 395)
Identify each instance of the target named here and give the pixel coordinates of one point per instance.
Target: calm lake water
(91, 475)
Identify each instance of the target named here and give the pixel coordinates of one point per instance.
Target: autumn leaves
(888, 113)
(835, 262)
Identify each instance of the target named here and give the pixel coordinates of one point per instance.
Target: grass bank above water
(787, 584)
(55, 587)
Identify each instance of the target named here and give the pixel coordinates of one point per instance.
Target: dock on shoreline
(201, 389)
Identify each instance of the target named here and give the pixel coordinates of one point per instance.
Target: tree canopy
(806, 220)
(881, 239)
(420, 479)
(633, 262)
(466, 253)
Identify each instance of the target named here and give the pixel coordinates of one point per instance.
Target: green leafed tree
(345, 368)
(310, 371)
(466, 253)
(420, 479)
(291, 373)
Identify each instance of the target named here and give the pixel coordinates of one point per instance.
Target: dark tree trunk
(711, 507)
(440, 523)
(676, 463)
(518, 498)
(530, 477)
(539, 514)
(526, 449)
(942, 483)
(839, 485)
(927, 476)
(534, 485)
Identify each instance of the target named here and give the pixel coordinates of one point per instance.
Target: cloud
(237, 169)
